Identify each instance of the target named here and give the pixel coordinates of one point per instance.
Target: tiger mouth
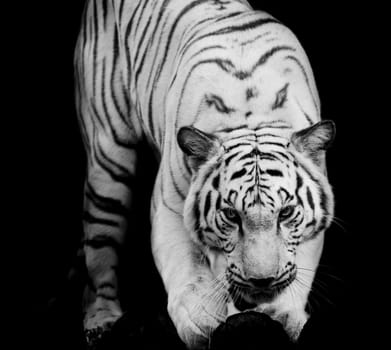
(246, 297)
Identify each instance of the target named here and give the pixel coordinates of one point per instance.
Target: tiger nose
(262, 282)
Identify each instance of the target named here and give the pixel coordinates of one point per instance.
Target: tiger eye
(286, 212)
(231, 214)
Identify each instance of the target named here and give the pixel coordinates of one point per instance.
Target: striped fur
(227, 100)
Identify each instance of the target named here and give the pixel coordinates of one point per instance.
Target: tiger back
(226, 97)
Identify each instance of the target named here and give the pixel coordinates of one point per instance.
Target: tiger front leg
(105, 220)
(197, 298)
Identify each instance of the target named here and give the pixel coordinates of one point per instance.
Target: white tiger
(226, 97)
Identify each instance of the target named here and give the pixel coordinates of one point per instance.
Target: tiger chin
(258, 216)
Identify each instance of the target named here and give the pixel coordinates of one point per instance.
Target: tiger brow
(227, 201)
(288, 196)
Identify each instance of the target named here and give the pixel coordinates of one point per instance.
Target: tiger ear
(315, 140)
(197, 145)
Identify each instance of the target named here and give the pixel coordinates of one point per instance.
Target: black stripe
(268, 156)
(307, 117)
(300, 221)
(273, 172)
(96, 114)
(225, 64)
(216, 182)
(243, 43)
(323, 205)
(218, 103)
(241, 75)
(170, 208)
(120, 142)
(140, 43)
(115, 45)
(121, 8)
(270, 125)
(106, 285)
(207, 206)
(281, 97)
(104, 8)
(243, 27)
(91, 219)
(107, 204)
(248, 163)
(186, 164)
(283, 155)
(234, 194)
(150, 116)
(102, 241)
(295, 59)
(228, 159)
(268, 135)
(95, 49)
(119, 168)
(287, 194)
(204, 49)
(272, 144)
(176, 187)
(105, 296)
(218, 202)
(85, 21)
(159, 40)
(230, 15)
(290, 221)
(310, 199)
(127, 179)
(323, 202)
(239, 144)
(299, 184)
(112, 80)
(140, 15)
(247, 156)
(228, 130)
(125, 95)
(128, 29)
(196, 212)
(238, 173)
(263, 59)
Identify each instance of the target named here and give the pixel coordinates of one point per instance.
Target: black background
(340, 45)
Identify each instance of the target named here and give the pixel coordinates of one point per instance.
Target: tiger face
(258, 205)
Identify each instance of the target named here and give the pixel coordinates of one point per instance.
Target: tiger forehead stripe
(281, 97)
(251, 92)
(218, 103)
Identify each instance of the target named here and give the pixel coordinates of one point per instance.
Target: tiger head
(258, 206)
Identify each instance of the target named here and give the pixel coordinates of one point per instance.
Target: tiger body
(239, 87)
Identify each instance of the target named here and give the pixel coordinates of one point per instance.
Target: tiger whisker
(320, 273)
(315, 290)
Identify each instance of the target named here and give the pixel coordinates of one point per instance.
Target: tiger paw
(94, 337)
(97, 325)
(197, 310)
